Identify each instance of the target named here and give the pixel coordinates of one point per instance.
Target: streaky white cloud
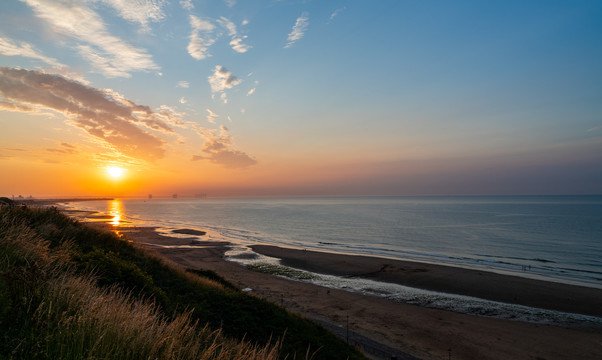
(217, 149)
(109, 54)
(250, 92)
(10, 48)
(211, 116)
(183, 84)
(228, 25)
(104, 114)
(199, 24)
(200, 38)
(337, 12)
(236, 42)
(101, 62)
(298, 30)
(187, 5)
(139, 11)
(230, 3)
(238, 46)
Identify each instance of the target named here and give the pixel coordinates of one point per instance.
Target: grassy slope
(135, 278)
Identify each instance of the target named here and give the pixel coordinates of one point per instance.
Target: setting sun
(115, 172)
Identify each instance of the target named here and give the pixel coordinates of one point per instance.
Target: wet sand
(447, 279)
(422, 332)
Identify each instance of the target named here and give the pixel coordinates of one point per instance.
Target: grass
(68, 291)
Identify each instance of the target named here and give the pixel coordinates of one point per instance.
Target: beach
(417, 331)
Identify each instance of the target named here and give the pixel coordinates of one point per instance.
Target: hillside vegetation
(68, 291)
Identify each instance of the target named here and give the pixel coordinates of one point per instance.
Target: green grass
(70, 291)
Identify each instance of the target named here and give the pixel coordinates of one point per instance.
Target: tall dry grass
(49, 312)
(83, 321)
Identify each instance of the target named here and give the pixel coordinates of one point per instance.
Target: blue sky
(305, 97)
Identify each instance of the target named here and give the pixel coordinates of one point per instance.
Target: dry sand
(422, 332)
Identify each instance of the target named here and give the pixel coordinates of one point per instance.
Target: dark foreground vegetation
(68, 291)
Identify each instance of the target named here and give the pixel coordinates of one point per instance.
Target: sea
(553, 238)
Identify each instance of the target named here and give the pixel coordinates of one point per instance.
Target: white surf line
(408, 295)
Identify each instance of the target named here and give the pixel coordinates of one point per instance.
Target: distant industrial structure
(175, 196)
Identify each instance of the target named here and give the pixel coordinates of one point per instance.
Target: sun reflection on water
(115, 211)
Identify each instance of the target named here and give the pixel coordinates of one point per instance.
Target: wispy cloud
(298, 29)
(217, 149)
(230, 3)
(139, 11)
(200, 38)
(187, 5)
(203, 35)
(221, 80)
(211, 116)
(337, 12)
(64, 148)
(104, 114)
(109, 54)
(236, 42)
(183, 100)
(238, 46)
(228, 25)
(250, 92)
(10, 106)
(183, 84)
(11, 48)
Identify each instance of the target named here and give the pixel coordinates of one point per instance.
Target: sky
(300, 98)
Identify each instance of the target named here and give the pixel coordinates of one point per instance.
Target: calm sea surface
(552, 237)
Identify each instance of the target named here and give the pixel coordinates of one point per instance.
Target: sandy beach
(420, 332)
(447, 279)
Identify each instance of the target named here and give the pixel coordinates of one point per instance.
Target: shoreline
(531, 266)
(442, 278)
(445, 279)
(421, 332)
